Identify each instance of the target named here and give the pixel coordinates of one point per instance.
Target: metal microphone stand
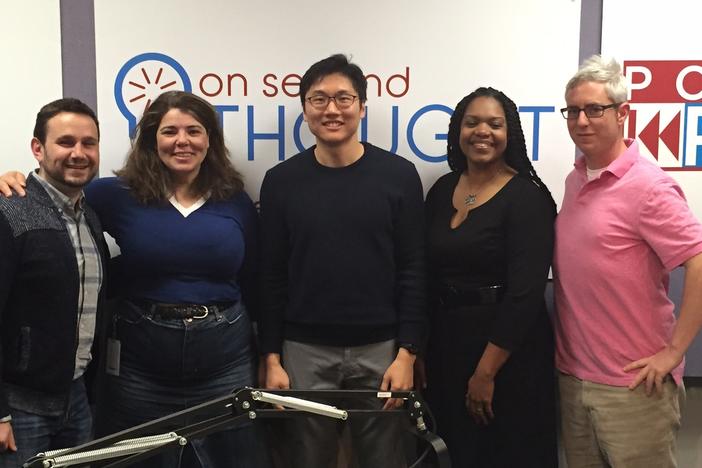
(143, 441)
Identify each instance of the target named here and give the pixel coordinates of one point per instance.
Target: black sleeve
(274, 266)
(410, 263)
(8, 264)
(249, 272)
(529, 239)
(430, 204)
(435, 196)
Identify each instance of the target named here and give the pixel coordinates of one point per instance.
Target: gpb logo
(666, 110)
(142, 79)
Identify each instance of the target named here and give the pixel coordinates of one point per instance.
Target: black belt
(451, 296)
(181, 311)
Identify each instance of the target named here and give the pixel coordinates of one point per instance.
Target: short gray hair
(602, 70)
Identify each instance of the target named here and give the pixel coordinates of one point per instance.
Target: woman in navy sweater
(187, 232)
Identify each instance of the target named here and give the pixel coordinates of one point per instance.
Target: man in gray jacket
(51, 277)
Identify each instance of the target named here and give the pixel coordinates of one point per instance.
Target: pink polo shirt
(617, 238)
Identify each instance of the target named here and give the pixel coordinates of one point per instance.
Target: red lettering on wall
(269, 81)
(664, 81)
(210, 77)
(291, 81)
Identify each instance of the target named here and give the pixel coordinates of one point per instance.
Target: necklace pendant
(470, 199)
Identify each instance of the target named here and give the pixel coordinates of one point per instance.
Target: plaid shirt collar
(61, 201)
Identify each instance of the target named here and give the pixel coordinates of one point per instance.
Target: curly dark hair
(515, 153)
(150, 180)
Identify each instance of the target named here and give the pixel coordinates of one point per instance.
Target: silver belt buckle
(204, 313)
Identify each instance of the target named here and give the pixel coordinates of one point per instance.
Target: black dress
(506, 241)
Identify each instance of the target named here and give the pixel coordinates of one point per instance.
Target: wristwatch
(411, 348)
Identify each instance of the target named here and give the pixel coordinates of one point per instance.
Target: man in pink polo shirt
(623, 226)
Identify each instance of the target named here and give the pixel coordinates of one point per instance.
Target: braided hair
(515, 154)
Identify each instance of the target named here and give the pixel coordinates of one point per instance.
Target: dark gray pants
(377, 442)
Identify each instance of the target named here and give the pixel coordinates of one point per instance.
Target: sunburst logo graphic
(147, 82)
(142, 79)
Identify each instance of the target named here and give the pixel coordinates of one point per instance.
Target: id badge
(114, 347)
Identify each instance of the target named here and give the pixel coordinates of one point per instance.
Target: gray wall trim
(590, 28)
(78, 50)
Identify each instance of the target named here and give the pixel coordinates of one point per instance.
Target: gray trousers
(314, 441)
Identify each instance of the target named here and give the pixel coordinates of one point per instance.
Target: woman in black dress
(490, 371)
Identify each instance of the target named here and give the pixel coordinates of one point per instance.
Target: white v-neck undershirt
(186, 211)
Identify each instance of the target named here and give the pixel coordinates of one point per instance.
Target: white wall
(526, 48)
(644, 30)
(30, 47)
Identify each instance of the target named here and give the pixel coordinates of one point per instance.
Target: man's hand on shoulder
(398, 377)
(7, 438)
(10, 181)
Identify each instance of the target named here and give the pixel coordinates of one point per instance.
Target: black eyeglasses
(591, 111)
(321, 101)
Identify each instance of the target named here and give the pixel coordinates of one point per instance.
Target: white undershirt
(186, 211)
(593, 174)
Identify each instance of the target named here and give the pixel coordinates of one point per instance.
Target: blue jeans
(34, 433)
(168, 365)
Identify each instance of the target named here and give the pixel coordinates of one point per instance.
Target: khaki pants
(607, 426)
